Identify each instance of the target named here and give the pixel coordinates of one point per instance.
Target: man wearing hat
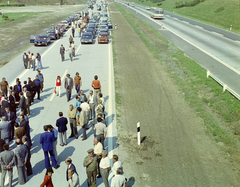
(90, 162)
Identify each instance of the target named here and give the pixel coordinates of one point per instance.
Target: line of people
(30, 61)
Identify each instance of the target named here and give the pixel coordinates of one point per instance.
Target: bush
(159, 4)
(20, 4)
(220, 9)
(180, 4)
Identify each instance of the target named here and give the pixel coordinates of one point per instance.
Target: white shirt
(91, 99)
(85, 106)
(74, 182)
(98, 148)
(102, 100)
(25, 95)
(104, 163)
(33, 57)
(118, 181)
(116, 165)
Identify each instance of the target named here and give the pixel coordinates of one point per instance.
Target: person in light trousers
(58, 86)
(39, 61)
(105, 167)
(62, 128)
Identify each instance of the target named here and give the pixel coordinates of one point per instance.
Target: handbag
(55, 91)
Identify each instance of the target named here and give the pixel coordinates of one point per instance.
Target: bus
(156, 13)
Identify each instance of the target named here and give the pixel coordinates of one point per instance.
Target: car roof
(87, 33)
(42, 35)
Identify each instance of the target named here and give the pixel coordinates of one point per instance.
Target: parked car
(103, 38)
(104, 31)
(103, 27)
(42, 39)
(65, 22)
(63, 26)
(91, 30)
(91, 25)
(147, 8)
(32, 38)
(51, 34)
(87, 37)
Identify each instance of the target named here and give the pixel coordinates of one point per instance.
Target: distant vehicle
(103, 27)
(105, 31)
(87, 37)
(51, 34)
(42, 39)
(147, 8)
(65, 22)
(32, 38)
(132, 4)
(99, 8)
(62, 25)
(104, 15)
(91, 25)
(103, 38)
(156, 13)
(60, 30)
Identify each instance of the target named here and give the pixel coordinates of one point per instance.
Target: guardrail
(225, 86)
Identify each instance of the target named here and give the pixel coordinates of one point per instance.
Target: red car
(103, 38)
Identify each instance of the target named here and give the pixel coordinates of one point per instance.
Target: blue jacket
(12, 117)
(46, 139)
(62, 124)
(5, 129)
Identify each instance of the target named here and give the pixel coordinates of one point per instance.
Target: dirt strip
(176, 150)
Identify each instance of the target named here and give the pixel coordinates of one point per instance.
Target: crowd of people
(87, 111)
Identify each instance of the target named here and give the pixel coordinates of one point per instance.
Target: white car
(147, 8)
(65, 23)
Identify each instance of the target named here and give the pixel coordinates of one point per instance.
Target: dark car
(32, 38)
(87, 37)
(104, 31)
(42, 39)
(103, 27)
(91, 30)
(51, 34)
(68, 20)
(92, 21)
(92, 25)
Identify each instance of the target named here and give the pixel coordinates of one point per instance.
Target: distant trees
(180, 4)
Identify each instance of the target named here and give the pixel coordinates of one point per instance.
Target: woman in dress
(58, 86)
(48, 178)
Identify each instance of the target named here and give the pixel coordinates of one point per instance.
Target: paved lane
(91, 59)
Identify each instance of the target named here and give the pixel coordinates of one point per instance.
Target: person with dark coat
(25, 125)
(62, 128)
(27, 85)
(33, 88)
(13, 102)
(17, 89)
(69, 163)
(22, 103)
(11, 117)
(62, 52)
(2, 142)
(38, 86)
(5, 105)
(25, 60)
(28, 163)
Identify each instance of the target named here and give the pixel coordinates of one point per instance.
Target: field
(219, 13)
(42, 2)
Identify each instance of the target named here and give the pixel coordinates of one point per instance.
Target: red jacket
(58, 82)
(47, 182)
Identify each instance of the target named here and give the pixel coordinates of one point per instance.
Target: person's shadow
(130, 182)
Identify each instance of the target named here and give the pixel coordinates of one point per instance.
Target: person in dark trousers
(11, 117)
(62, 128)
(5, 105)
(68, 85)
(33, 88)
(13, 102)
(38, 87)
(22, 103)
(62, 52)
(28, 163)
(25, 125)
(25, 60)
(17, 89)
(5, 129)
(69, 163)
(73, 31)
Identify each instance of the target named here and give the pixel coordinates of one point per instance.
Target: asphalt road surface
(90, 60)
(214, 49)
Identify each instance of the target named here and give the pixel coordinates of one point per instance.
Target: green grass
(16, 16)
(220, 111)
(44, 2)
(219, 13)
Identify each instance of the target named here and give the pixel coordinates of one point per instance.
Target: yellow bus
(156, 13)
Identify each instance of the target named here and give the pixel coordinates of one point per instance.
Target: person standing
(62, 52)
(70, 165)
(41, 79)
(25, 60)
(62, 128)
(46, 139)
(28, 163)
(84, 117)
(21, 153)
(5, 130)
(76, 105)
(82, 96)
(90, 162)
(7, 161)
(73, 31)
(71, 39)
(98, 148)
(11, 118)
(48, 178)
(22, 103)
(119, 179)
(58, 86)
(92, 101)
(27, 86)
(33, 62)
(17, 89)
(116, 164)
(25, 125)
(29, 60)
(105, 167)
(4, 105)
(72, 118)
(73, 180)
(99, 108)
(73, 48)
(33, 88)
(39, 61)
(96, 86)
(79, 31)
(70, 52)
(101, 131)
(13, 103)
(28, 98)
(68, 86)
(37, 87)
(77, 82)
(55, 135)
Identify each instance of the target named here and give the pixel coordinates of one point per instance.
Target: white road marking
(214, 57)
(175, 18)
(198, 27)
(78, 48)
(185, 22)
(216, 33)
(53, 94)
(234, 50)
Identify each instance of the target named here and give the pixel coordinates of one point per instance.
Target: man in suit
(68, 86)
(62, 52)
(5, 104)
(69, 163)
(7, 160)
(17, 89)
(25, 60)
(46, 139)
(62, 128)
(33, 88)
(5, 130)
(21, 153)
(38, 86)
(28, 163)
(12, 102)
(25, 125)
(82, 96)
(93, 102)
(22, 103)
(26, 85)
(11, 117)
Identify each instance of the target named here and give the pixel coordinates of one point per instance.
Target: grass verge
(219, 13)
(219, 111)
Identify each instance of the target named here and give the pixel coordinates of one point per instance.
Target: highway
(91, 59)
(214, 49)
